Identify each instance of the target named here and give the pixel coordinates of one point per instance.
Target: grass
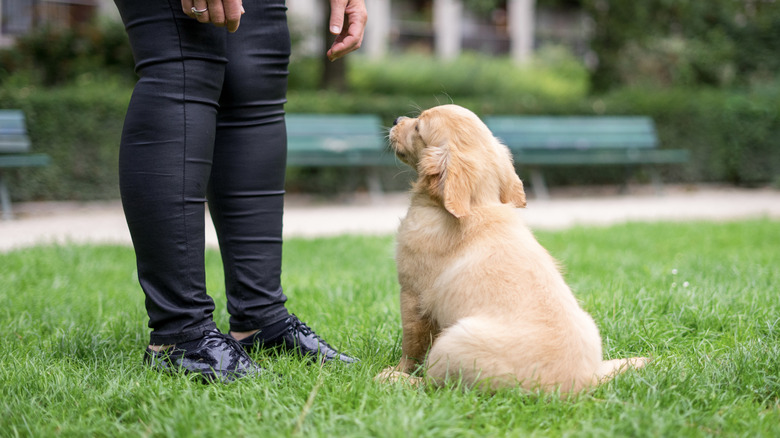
(702, 299)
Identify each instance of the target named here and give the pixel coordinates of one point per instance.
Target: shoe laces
(231, 341)
(297, 324)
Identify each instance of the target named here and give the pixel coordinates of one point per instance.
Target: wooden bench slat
(302, 124)
(520, 132)
(355, 160)
(13, 132)
(574, 158)
(576, 141)
(332, 143)
(12, 120)
(591, 124)
(14, 144)
(26, 160)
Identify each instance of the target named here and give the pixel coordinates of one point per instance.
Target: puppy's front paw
(391, 375)
(638, 362)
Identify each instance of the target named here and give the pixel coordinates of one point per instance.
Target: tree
(334, 74)
(684, 42)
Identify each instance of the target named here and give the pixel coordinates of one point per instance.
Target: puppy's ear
(512, 190)
(447, 178)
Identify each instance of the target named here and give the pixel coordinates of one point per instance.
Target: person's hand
(347, 21)
(222, 13)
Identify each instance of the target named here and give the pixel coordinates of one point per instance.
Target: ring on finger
(198, 12)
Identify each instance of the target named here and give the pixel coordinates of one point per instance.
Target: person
(206, 122)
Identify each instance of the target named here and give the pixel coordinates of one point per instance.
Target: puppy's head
(458, 161)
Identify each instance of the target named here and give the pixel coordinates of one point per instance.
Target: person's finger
(186, 7)
(233, 10)
(351, 37)
(343, 45)
(337, 13)
(216, 13)
(200, 11)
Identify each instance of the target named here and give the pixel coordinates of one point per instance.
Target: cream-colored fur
(481, 299)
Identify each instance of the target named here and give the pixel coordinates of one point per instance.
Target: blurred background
(707, 72)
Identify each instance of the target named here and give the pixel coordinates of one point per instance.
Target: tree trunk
(334, 74)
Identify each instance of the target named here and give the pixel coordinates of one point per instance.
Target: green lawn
(702, 299)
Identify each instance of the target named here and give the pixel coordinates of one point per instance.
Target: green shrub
(53, 55)
(79, 126)
(733, 136)
(684, 42)
(553, 74)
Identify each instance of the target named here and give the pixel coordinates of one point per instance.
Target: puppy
(481, 300)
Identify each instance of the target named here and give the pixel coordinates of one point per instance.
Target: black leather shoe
(216, 357)
(298, 337)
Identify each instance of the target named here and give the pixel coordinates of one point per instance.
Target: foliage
(699, 298)
(483, 8)
(553, 74)
(732, 135)
(684, 42)
(56, 55)
(79, 126)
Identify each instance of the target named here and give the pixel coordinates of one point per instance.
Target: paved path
(38, 223)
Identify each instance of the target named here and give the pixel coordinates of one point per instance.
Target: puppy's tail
(611, 368)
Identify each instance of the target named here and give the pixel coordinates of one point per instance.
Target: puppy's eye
(417, 128)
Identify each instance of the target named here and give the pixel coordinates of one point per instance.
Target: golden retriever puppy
(481, 299)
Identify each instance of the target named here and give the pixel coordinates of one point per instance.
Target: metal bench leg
(625, 186)
(539, 186)
(658, 184)
(374, 184)
(5, 199)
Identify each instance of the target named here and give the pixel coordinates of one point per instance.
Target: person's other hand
(221, 13)
(348, 22)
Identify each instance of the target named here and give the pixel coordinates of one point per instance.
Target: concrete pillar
(305, 20)
(447, 27)
(4, 40)
(107, 9)
(521, 28)
(377, 34)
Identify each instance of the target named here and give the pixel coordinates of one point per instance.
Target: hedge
(733, 137)
(79, 127)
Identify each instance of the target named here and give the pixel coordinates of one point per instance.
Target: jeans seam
(186, 145)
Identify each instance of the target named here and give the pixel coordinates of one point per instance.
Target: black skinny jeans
(206, 121)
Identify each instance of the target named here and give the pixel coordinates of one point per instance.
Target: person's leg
(246, 191)
(165, 161)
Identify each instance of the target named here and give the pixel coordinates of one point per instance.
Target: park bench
(14, 152)
(339, 140)
(542, 141)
